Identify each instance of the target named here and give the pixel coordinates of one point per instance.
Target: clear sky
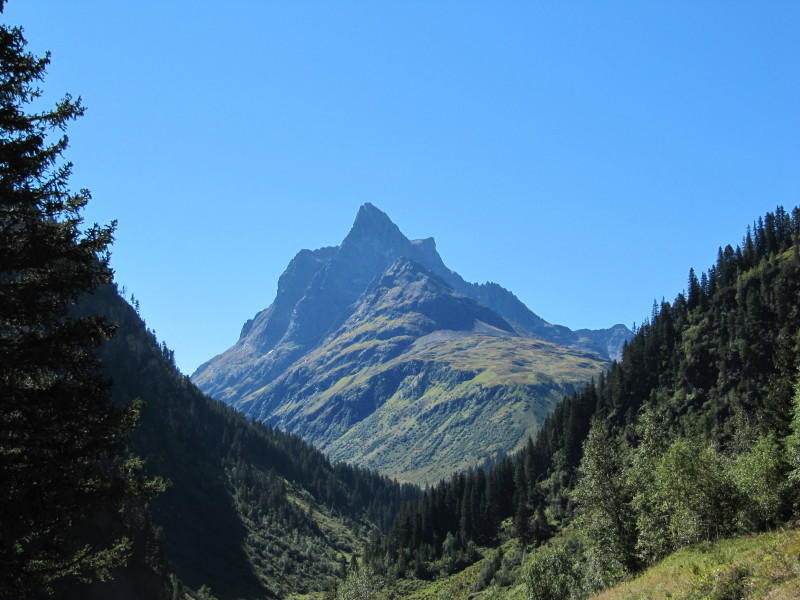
(582, 154)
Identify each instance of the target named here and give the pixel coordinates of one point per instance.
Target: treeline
(716, 364)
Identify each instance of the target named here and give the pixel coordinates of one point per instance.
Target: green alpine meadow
(360, 421)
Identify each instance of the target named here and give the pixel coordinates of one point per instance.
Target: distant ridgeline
(689, 437)
(250, 512)
(379, 354)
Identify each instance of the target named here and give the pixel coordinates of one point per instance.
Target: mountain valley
(385, 429)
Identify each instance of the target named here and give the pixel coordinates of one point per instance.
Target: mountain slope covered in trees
(691, 436)
(375, 346)
(250, 512)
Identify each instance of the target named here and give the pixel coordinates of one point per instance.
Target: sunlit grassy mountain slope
(369, 358)
(754, 567)
(420, 381)
(250, 512)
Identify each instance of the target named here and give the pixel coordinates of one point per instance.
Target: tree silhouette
(63, 462)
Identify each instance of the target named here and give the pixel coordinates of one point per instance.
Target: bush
(554, 572)
(721, 584)
(760, 478)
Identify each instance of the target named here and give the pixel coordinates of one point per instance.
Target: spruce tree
(64, 475)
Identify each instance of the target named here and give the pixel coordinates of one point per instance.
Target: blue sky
(583, 155)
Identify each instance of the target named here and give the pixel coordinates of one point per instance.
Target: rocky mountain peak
(321, 289)
(373, 226)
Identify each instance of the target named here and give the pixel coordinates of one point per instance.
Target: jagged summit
(373, 225)
(370, 216)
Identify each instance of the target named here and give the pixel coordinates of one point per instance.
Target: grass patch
(754, 567)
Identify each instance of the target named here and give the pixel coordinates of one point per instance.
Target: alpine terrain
(379, 354)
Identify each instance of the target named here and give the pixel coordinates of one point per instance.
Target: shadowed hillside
(251, 512)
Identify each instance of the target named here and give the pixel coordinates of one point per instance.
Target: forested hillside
(687, 438)
(250, 512)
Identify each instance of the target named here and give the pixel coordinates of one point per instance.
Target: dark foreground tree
(64, 472)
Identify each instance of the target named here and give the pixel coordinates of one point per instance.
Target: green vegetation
(393, 393)
(635, 505)
(70, 489)
(251, 511)
(751, 567)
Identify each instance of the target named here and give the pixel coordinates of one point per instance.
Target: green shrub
(554, 572)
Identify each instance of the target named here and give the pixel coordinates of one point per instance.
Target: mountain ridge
(310, 268)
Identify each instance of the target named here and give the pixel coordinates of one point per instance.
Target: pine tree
(63, 467)
(793, 442)
(522, 525)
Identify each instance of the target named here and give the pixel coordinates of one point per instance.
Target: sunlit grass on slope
(754, 567)
(462, 397)
(469, 366)
(507, 384)
(494, 360)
